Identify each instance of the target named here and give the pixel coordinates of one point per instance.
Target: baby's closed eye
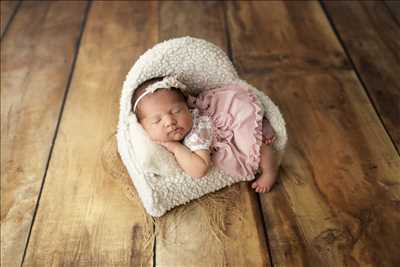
(155, 121)
(176, 110)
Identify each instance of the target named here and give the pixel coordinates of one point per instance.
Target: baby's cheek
(159, 135)
(188, 122)
(152, 132)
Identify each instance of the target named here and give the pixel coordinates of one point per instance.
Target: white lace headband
(166, 83)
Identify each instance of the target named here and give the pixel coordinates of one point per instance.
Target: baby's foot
(264, 183)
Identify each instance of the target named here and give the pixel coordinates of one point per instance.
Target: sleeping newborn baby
(222, 126)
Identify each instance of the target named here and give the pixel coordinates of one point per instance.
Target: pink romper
(229, 122)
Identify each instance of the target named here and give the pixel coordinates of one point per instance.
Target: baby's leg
(269, 169)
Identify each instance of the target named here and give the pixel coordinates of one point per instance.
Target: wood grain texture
(337, 201)
(36, 57)
(368, 31)
(394, 7)
(200, 20)
(340, 208)
(272, 43)
(187, 240)
(7, 9)
(84, 218)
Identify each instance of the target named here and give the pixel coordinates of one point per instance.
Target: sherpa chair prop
(160, 182)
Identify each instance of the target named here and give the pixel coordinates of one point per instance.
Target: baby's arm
(194, 163)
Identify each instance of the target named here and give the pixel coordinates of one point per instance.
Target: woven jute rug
(215, 210)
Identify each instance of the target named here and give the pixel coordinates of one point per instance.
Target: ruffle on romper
(239, 128)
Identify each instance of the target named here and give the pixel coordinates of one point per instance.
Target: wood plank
(178, 19)
(84, 218)
(394, 7)
(36, 58)
(274, 50)
(370, 40)
(190, 235)
(338, 195)
(7, 9)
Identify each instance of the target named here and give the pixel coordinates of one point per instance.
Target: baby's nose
(169, 120)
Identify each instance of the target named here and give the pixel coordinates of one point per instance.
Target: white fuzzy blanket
(159, 181)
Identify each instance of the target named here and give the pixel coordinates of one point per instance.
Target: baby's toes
(265, 189)
(254, 185)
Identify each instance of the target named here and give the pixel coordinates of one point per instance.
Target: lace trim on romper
(200, 136)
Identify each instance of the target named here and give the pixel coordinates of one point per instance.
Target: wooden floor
(332, 68)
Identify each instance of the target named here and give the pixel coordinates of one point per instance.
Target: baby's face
(164, 116)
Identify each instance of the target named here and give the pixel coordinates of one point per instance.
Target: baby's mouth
(176, 130)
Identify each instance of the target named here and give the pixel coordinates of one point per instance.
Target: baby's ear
(138, 115)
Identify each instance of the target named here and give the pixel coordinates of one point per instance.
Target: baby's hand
(169, 145)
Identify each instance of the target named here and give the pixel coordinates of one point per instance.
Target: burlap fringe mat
(215, 209)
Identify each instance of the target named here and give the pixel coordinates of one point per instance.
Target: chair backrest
(199, 64)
